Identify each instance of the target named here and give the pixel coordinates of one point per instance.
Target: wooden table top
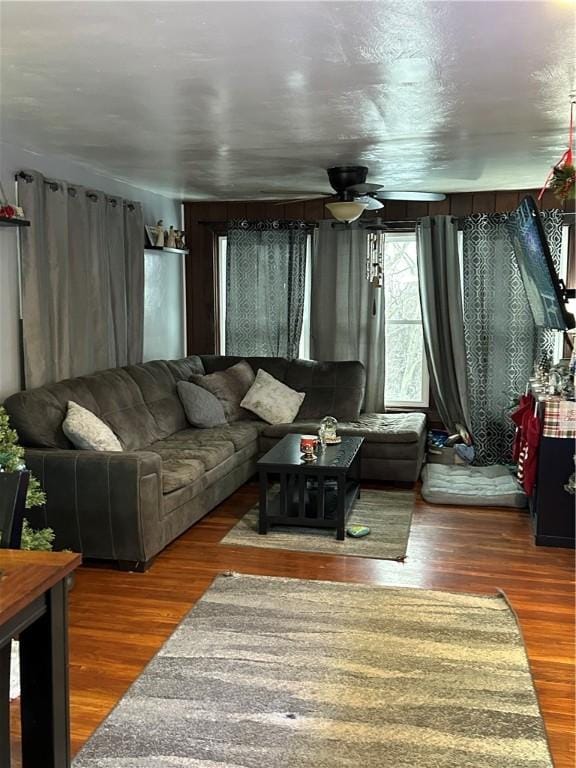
(24, 576)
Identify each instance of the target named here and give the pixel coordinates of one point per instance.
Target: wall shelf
(14, 223)
(183, 251)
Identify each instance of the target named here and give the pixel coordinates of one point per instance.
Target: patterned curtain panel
(265, 275)
(502, 342)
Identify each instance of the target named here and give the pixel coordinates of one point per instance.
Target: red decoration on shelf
(7, 212)
(562, 177)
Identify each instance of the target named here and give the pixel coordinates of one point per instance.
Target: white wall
(12, 160)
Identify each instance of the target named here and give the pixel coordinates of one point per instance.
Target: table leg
(44, 684)
(356, 471)
(341, 509)
(5, 652)
(263, 508)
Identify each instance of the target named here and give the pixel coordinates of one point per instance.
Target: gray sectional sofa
(126, 507)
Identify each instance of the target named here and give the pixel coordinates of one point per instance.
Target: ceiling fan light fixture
(347, 210)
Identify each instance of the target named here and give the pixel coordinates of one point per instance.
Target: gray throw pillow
(202, 408)
(229, 387)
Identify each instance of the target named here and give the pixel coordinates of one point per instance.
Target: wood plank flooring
(119, 620)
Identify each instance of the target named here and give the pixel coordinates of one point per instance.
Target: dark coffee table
(317, 494)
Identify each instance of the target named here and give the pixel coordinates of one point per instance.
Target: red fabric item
(532, 429)
(522, 412)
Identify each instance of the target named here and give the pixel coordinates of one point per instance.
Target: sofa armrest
(103, 504)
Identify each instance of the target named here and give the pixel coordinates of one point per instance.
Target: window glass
(406, 371)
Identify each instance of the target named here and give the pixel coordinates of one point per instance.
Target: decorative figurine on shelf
(7, 210)
(308, 445)
(171, 239)
(180, 239)
(11, 212)
(327, 432)
(160, 234)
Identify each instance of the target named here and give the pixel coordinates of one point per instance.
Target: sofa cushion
(178, 472)
(213, 481)
(272, 400)
(202, 408)
(332, 388)
(87, 432)
(387, 427)
(184, 368)
(210, 454)
(374, 427)
(240, 434)
(114, 396)
(275, 366)
(158, 387)
(229, 387)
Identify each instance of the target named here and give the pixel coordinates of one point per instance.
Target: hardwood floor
(119, 620)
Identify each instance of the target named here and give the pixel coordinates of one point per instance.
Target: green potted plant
(12, 460)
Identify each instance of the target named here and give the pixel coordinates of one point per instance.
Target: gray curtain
(265, 279)
(442, 317)
(134, 272)
(347, 314)
(82, 280)
(502, 342)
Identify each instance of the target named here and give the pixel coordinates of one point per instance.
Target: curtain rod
(311, 224)
(71, 188)
(223, 223)
(382, 225)
(368, 225)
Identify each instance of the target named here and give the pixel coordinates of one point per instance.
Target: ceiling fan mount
(341, 177)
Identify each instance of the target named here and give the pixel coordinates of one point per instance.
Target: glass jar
(327, 432)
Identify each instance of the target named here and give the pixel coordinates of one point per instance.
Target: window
(304, 348)
(164, 306)
(407, 383)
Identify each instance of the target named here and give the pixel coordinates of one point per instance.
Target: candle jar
(308, 445)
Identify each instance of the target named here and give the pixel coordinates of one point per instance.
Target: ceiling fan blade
(372, 204)
(425, 197)
(364, 189)
(300, 199)
(297, 193)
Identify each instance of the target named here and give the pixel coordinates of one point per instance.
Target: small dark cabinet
(552, 506)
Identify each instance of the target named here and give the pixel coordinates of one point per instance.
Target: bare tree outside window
(406, 371)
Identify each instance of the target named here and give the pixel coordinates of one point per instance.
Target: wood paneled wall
(201, 285)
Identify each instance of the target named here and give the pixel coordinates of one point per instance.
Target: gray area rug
(387, 513)
(286, 673)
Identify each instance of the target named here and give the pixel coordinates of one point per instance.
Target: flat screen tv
(544, 291)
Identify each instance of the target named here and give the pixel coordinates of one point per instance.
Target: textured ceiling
(238, 100)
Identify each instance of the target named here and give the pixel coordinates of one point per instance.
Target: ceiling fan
(355, 195)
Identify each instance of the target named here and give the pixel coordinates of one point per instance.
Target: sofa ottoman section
(393, 449)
